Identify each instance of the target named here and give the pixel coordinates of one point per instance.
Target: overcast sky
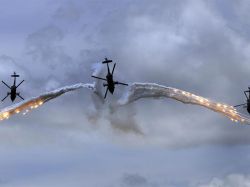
(198, 46)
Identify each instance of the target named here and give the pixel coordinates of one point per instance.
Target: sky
(198, 46)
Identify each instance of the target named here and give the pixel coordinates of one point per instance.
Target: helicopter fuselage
(110, 83)
(248, 106)
(13, 93)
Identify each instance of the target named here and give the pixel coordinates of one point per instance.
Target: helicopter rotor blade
(106, 93)
(113, 68)
(6, 96)
(121, 83)
(245, 92)
(20, 83)
(6, 84)
(99, 78)
(240, 105)
(18, 94)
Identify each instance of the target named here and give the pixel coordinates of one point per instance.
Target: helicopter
(109, 78)
(247, 104)
(13, 89)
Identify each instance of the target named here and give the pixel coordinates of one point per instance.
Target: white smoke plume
(93, 113)
(123, 119)
(151, 90)
(135, 91)
(34, 102)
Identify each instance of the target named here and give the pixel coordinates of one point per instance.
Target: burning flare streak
(32, 103)
(146, 90)
(135, 91)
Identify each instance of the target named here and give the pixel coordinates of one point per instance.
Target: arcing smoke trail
(146, 90)
(35, 102)
(135, 91)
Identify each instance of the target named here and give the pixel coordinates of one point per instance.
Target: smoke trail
(135, 91)
(123, 119)
(94, 111)
(97, 97)
(35, 102)
(96, 68)
(150, 90)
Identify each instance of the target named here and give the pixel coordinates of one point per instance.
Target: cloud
(198, 46)
(45, 49)
(164, 42)
(175, 47)
(134, 180)
(138, 180)
(68, 12)
(232, 180)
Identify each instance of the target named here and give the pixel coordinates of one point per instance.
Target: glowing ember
(147, 90)
(5, 115)
(32, 103)
(135, 92)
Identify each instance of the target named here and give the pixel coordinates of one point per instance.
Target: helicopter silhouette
(13, 89)
(247, 104)
(109, 79)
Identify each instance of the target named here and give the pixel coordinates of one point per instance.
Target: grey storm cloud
(198, 46)
(231, 180)
(136, 180)
(175, 47)
(171, 46)
(68, 12)
(46, 52)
